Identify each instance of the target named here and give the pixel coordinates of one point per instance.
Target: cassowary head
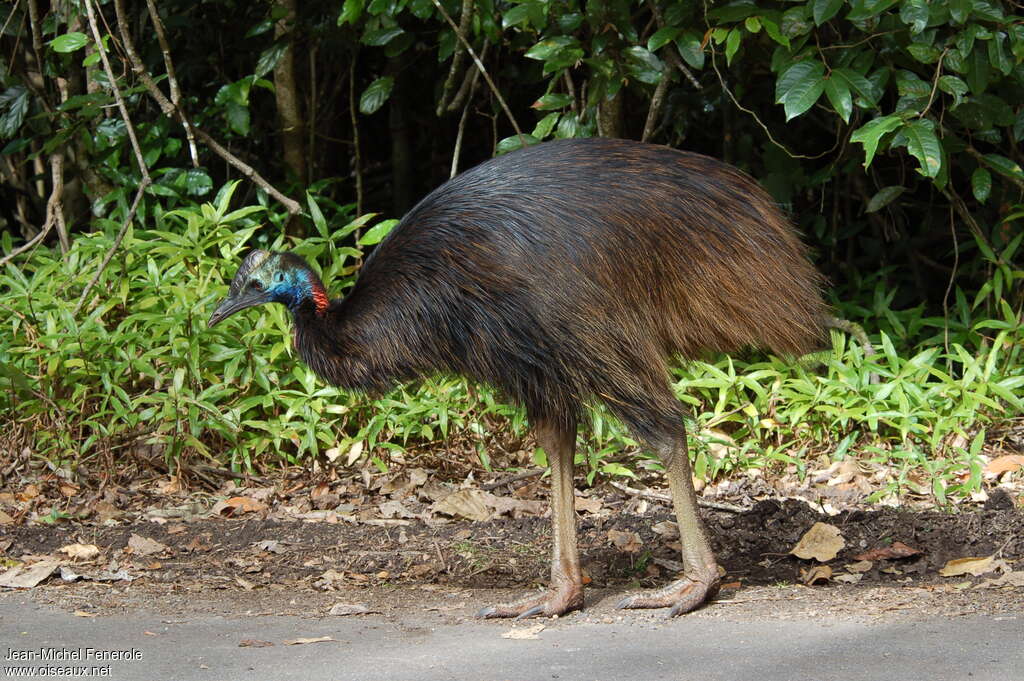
(266, 277)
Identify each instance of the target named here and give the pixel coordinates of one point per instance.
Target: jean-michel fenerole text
(76, 654)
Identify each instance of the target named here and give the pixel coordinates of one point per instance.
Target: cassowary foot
(553, 601)
(682, 595)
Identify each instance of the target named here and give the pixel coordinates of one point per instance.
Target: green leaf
(978, 71)
(914, 13)
(871, 133)
(865, 9)
(960, 9)
(838, 92)
(643, 64)
(799, 87)
(238, 117)
(268, 60)
(69, 42)
(197, 182)
(732, 44)
(997, 56)
(319, 221)
(546, 125)
(519, 14)
(774, 32)
(376, 234)
(690, 49)
(375, 94)
(926, 54)
(1004, 166)
(953, 86)
(546, 49)
(859, 84)
(921, 142)
(823, 10)
(350, 12)
(13, 107)
(381, 36)
(981, 184)
(662, 37)
(883, 198)
(513, 142)
(552, 101)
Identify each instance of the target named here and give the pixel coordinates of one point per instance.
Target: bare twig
(483, 71)
(457, 151)
(654, 112)
(143, 185)
(949, 284)
(357, 159)
(30, 243)
(121, 107)
(935, 83)
(172, 79)
(655, 496)
(508, 480)
(456, 68)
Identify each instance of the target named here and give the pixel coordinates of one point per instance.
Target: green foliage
(139, 366)
(873, 121)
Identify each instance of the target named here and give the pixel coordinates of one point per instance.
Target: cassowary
(566, 272)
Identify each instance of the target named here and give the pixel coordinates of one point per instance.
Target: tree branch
(483, 71)
(169, 109)
(172, 78)
(456, 68)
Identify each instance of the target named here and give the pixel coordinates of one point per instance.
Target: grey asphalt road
(375, 648)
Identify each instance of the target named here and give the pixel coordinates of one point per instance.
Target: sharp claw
(487, 612)
(624, 603)
(535, 610)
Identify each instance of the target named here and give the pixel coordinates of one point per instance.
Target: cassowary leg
(565, 593)
(700, 571)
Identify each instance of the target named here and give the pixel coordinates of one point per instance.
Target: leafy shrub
(138, 366)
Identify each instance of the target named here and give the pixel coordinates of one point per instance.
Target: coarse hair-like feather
(575, 270)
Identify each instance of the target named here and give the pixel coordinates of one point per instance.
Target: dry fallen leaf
(83, 613)
(343, 609)
(896, 550)
(514, 507)
(523, 633)
(144, 546)
(1009, 579)
(21, 577)
(395, 509)
(627, 542)
(254, 643)
(466, 503)
(667, 529)
(848, 578)
(589, 504)
(1003, 464)
(80, 551)
(237, 505)
(818, 573)
(859, 567)
(6, 519)
(301, 641)
(822, 542)
(968, 566)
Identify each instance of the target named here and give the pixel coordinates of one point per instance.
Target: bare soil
(225, 565)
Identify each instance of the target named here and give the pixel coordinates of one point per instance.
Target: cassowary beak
(233, 304)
